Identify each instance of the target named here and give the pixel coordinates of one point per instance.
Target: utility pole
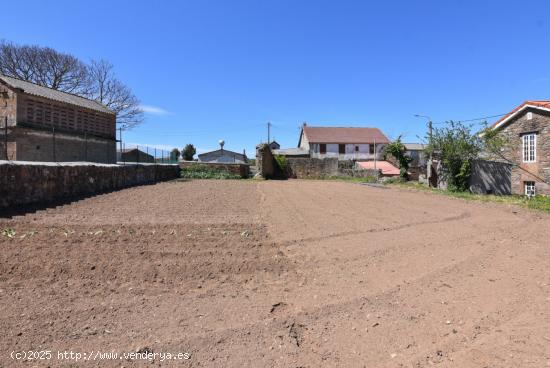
(268, 132)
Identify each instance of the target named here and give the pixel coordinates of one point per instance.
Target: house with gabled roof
(344, 143)
(526, 130)
(43, 124)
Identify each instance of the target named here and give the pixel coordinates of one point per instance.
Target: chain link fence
(131, 154)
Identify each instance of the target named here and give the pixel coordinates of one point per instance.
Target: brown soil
(278, 274)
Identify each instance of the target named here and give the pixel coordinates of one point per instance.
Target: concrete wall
(490, 177)
(238, 169)
(36, 145)
(28, 183)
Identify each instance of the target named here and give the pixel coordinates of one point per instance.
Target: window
(323, 148)
(529, 147)
(530, 189)
(356, 148)
(529, 116)
(371, 149)
(341, 149)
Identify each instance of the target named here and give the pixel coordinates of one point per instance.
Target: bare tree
(64, 72)
(44, 66)
(105, 88)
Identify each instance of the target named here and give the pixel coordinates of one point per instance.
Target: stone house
(42, 124)
(343, 143)
(526, 131)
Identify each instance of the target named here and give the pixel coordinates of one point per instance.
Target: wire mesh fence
(128, 154)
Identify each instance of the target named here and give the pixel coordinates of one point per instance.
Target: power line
(492, 116)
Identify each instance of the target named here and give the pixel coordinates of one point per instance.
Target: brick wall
(22, 184)
(538, 171)
(243, 170)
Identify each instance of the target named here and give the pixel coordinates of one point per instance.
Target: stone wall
(312, 167)
(306, 167)
(29, 183)
(243, 170)
(266, 164)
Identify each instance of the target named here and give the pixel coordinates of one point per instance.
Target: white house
(223, 156)
(343, 143)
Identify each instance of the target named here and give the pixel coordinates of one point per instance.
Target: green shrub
(281, 161)
(197, 171)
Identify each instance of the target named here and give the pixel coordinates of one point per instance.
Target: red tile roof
(386, 167)
(540, 103)
(344, 135)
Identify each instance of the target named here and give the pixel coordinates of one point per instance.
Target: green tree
(456, 146)
(174, 154)
(188, 152)
(397, 150)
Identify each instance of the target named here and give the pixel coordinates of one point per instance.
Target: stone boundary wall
(30, 183)
(243, 170)
(360, 173)
(312, 167)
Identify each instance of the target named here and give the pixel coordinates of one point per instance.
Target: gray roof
(415, 146)
(52, 94)
(291, 152)
(220, 152)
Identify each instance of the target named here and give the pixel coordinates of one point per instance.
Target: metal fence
(131, 154)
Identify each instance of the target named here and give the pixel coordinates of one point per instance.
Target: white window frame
(529, 115)
(530, 188)
(529, 148)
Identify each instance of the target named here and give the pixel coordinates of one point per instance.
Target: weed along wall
(28, 183)
(241, 170)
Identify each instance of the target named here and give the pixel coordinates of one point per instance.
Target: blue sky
(210, 70)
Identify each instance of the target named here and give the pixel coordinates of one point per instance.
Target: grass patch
(205, 172)
(541, 203)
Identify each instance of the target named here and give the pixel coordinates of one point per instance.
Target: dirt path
(279, 274)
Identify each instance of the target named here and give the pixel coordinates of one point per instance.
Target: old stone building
(42, 124)
(526, 132)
